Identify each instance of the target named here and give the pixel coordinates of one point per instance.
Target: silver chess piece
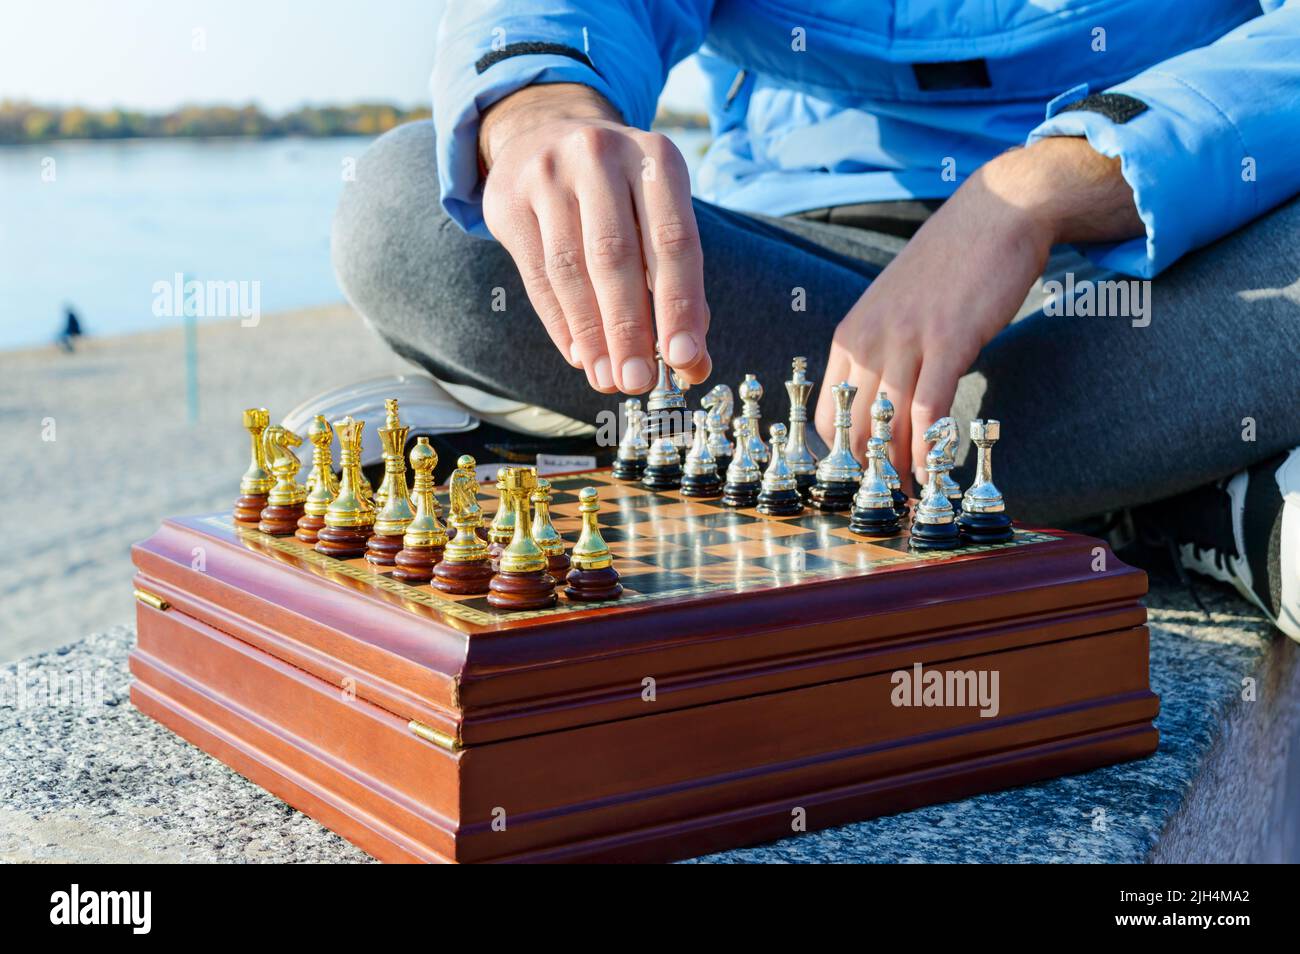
(629, 464)
(663, 466)
(802, 461)
(666, 404)
(839, 471)
(983, 511)
(882, 428)
(873, 505)
(951, 489)
(934, 523)
(700, 475)
(751, 392)
(779, 495)
(744, 478)
(720, 404)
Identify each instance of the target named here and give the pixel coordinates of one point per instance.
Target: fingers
(935, 388)
(524, 243)
(674, 260)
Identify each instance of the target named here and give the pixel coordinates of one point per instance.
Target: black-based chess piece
(663, 468)
(882, 416)
(984, 517)
(700, 475)
(593, 578)
(839, 472)
(873, 507)
(719, 403)
(802, 461)
(744, 479)
(779, 496)
(632, 447)
(934, 524)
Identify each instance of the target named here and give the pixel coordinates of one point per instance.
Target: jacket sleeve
(1217, 144)
(488, 49)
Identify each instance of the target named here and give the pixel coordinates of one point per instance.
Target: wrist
(532, 107)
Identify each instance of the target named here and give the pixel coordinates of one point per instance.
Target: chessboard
(751, 669)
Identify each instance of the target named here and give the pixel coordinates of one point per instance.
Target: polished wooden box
(744, 687)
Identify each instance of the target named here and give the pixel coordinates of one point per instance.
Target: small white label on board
(559, 463)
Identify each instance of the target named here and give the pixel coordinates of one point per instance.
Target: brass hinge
(441, 739)
(148, 599)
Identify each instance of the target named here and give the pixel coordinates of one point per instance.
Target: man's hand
(588, 208)
(961, 279)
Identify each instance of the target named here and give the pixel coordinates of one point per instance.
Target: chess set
(717, 642)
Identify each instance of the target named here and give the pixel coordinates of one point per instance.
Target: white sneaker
(1259, 554)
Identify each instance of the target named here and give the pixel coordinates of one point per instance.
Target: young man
(1139, 133)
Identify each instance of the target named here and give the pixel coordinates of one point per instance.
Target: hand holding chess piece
(349, 517)
(593, 577)
(934, 524)
(984, 516)
(465, 566)
(257, 481)
(284, 504)
(425, 537)
(521, 581)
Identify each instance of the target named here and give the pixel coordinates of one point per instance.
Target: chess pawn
(396, 513)
(632, 447)
(751, 392)
(593, 577)
(663, 468)
(984, 516)
(425, 537)
(934, 524)
(284, 504)
(719, 403)
(873, 506)
(544, 532)
(700, 476)
(744, 479)
(802, 461)
(882, 416)
(349, 517)
(322, 486)
(465, 567)
(257, 481)
(779, 496)
(521, 581)
(502, 530)
(839, 471)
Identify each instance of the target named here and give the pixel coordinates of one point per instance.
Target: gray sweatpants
(1097, 412)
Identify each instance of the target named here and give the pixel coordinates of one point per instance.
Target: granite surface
(86, 777)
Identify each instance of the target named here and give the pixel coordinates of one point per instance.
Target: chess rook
(663, 467)
(465, 567)
(322, 486)
(719, 404)
(934, 523)
(284, 504)
(256, 483)
(593, 578)
(700, 475)
(425, 538)
(779, 496)
(882, 417)
(751, 392)
(801, 460)
(984, 517)
(629, 464)
(744, 479)
(544, 532)
(396, 513)
(839, 471)
(349, 517)
(873, 513)
(521, 581)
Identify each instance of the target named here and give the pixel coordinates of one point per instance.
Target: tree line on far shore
(22, 122)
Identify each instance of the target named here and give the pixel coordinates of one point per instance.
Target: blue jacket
(827, 102)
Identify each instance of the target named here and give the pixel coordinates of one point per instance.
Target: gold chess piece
(502, 530)
(593, 578)
(322, 486)
(284, 504)
(391, 421)
(349, 517)
(425, 538)
(544, 532)
(257, 481)
(465, 567)
(521, 581)
(396, 514)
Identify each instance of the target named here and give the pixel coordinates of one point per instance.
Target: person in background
(71, 330)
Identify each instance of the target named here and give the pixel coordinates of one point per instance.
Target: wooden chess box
(748, 681)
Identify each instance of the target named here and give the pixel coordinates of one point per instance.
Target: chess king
(395, 513)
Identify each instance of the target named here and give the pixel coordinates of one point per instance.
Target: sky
(278, 53)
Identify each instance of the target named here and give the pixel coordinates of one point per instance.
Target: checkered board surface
(665, 546)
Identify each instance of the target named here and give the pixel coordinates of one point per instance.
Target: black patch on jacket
(1117, 107)
(528, 49)
(960, 74)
